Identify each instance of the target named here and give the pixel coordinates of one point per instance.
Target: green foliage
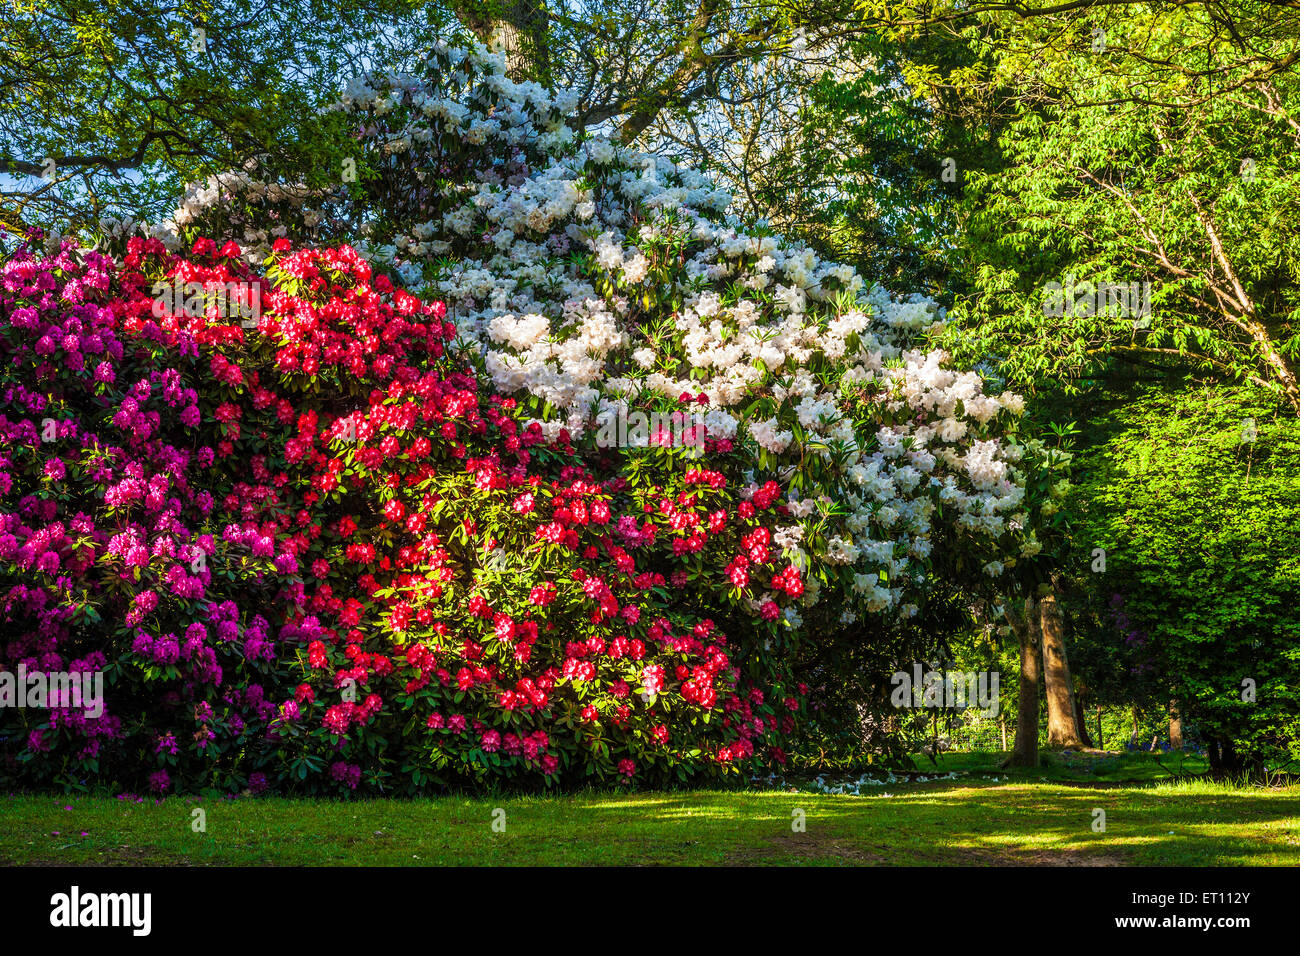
(109, 108)
(1123, 165)
(1199, 523)
(879, 172)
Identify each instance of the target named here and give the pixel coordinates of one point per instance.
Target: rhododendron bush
(375, 538)
(590, 279)
(317, 553)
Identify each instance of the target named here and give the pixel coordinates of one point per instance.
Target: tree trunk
(1062, 721)
(519, 27)
(1081, 723)
(1028, 631)
(1225, 762)
(1082, 703)
(1175, 727)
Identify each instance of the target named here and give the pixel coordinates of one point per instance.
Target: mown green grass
(965, 822)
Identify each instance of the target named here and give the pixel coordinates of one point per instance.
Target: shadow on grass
(941, 823)
(1001, 824)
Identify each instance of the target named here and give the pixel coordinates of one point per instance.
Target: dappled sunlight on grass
(967, 822)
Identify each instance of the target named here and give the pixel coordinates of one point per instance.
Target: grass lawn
(972, 820)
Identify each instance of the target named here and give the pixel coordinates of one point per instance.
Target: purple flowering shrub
(107, 521)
